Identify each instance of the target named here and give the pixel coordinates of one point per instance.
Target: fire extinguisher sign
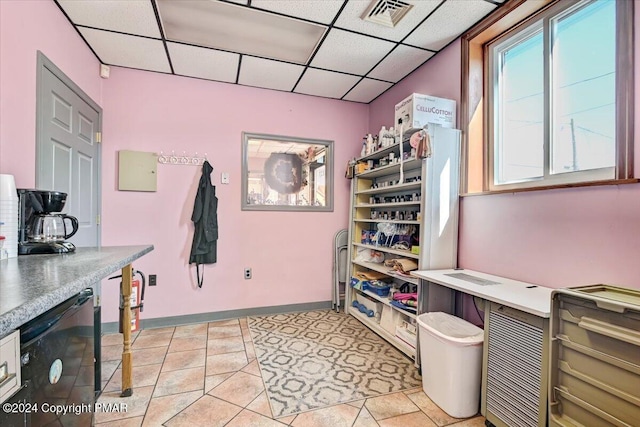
(134, 300)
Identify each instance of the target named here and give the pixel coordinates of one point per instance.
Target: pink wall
(290, 253)
(556, 238)
(26, 27)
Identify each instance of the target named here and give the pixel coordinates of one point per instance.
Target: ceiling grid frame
(324, 37)
(164, 39)
(384, 77)
(75, 27)
(239, 67)
(394, 48)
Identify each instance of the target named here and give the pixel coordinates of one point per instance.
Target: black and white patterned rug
(316, 359)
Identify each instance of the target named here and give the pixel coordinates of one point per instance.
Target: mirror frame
(246, 136)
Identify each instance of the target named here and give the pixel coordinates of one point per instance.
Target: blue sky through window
(583, 96)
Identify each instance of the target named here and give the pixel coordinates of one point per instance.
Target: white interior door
(68, 149)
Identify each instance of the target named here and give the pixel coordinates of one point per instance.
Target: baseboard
(162, 322)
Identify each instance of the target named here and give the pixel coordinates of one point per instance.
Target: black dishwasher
(57, 358)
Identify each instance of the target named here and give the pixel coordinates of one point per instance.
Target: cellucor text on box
(417, 110)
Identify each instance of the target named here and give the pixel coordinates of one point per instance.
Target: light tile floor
(207, 375)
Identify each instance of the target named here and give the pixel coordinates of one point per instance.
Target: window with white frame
(558, 97)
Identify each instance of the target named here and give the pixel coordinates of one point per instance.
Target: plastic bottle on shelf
(382, 137)
(392, 136)
(369, 144)
(363, 152)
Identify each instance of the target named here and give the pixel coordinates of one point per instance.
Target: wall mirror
(282, 173)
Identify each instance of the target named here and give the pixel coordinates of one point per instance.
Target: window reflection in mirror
(286, 173)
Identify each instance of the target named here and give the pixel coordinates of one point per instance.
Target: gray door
(68, 149)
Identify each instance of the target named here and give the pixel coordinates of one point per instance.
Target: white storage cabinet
(418, 194)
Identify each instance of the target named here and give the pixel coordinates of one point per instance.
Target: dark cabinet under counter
(58, 363)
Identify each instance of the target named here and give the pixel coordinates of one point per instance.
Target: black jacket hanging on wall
(205, 220)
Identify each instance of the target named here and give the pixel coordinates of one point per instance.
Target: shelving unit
(392, 188)
(420, 197)
(375, 327)
(385, 301)
(377, 221)
(380, 268)
(403, 253)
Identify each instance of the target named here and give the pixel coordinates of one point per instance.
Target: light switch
(225, 178)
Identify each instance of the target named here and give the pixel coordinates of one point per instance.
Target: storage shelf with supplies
(388, 205)
(386, 301)
(373, 221)
(393, 148)
(392, 188)
(381, 268)
(390, 338)
(401, 252)
(395, 217)
(408, 165)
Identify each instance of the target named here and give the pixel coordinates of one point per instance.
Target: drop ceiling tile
(132, 17)
(128, 51)
(204, 63)
(350, 18)
(448, 22)
(269, 74)
(399, 63)
(350, 53)
(325, 83)
(322, 11)
(367, 90)
(230, 27)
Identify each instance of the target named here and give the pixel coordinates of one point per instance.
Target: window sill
(553, 187)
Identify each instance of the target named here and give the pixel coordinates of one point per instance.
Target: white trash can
(451, 361)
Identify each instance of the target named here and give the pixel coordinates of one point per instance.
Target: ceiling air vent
(386, 12)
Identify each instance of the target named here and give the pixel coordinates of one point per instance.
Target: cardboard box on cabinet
(415, 111)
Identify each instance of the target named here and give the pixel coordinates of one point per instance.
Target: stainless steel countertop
(33, 284)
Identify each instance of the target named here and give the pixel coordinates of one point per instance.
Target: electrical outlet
(153, 279)
(247, 273)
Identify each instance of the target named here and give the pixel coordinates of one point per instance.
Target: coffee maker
(42, 230)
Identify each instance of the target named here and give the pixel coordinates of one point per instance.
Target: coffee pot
(42, 229)
(52, 227)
